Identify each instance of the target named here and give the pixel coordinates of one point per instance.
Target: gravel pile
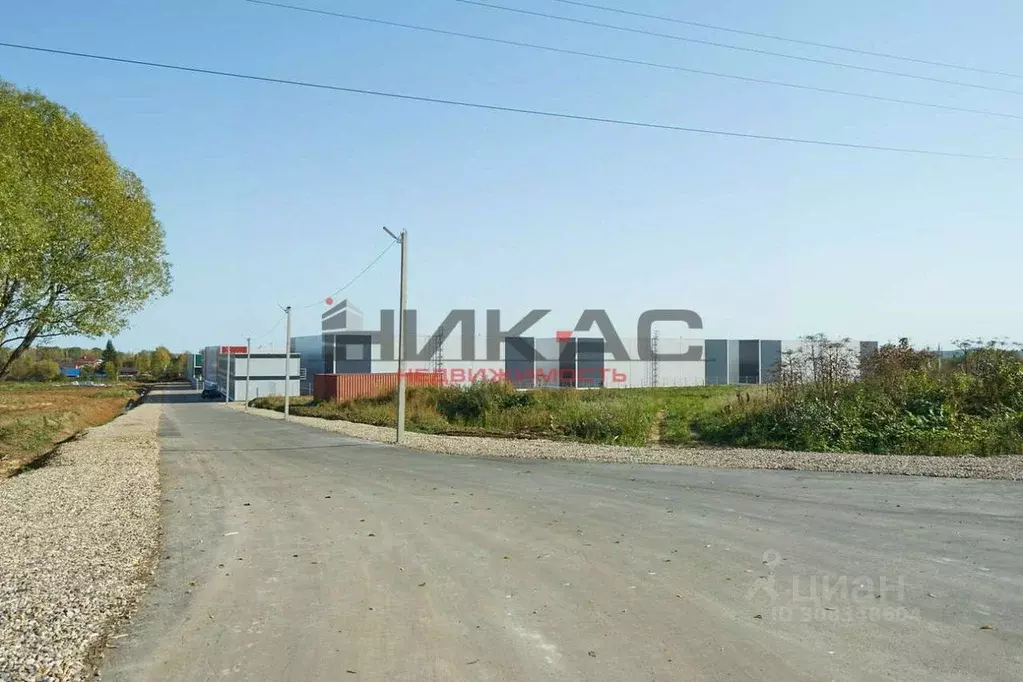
(79, 537)
(1008, 467)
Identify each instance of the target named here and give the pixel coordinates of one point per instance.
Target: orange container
(341, 387)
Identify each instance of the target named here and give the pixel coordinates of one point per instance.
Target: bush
(604, 421)
(46, 370)
(903, 403)
(474, 404)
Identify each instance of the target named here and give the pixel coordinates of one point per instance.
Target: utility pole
(402, 304)
(248, 354)
(287, 363)
(227, 387)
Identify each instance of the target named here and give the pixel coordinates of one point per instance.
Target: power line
(727, 46)
(510, 109)
(269, 331)
(353, 280)
(796, 41)
(637, 62)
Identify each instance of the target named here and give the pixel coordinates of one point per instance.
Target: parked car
(211, 394)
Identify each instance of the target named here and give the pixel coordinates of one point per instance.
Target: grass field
(639, 416)
(34, 417)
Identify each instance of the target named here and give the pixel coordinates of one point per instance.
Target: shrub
(903, 403)
(45, 370)
(473, 404)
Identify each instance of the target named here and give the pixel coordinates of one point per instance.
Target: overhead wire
(740, 48)
(509, 109)
(636, 62)
(795, 41)
(269, 331)
(353, 280)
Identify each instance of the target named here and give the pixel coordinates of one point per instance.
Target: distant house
(127, 372)
(73, 368)
(87, 361)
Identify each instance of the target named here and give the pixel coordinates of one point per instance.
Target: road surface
(291, 553)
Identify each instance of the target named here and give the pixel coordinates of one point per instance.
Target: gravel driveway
(1006, 468)
(79, 538)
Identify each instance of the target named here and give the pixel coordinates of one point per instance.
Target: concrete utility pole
(402, 304)
(287, 363)
(248, 353)
(227, 387)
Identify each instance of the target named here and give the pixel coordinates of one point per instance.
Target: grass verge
(639, 416)
(35, 417)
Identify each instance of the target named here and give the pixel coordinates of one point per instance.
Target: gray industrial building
(341, 347)
(241, 374)
(563, 363)
(344, 347)
(755, 361)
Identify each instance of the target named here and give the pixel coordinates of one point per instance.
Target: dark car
(211, 394)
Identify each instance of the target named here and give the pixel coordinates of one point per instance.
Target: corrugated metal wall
(341, 387)
(716, 357)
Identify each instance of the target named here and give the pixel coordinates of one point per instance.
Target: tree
(174, 369)
(142, 364)
(111, 364)
(50, 353)
(161, 360)
(80, 247)
(45, 370)
(21, 369)
(183, 360)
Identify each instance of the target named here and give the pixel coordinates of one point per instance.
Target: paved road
(292, 553)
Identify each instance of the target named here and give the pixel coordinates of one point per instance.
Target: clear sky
(272, 194)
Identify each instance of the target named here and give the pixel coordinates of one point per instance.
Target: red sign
(234, 350)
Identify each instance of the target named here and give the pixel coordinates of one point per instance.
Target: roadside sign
(234, 350)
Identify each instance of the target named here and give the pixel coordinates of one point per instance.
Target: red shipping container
(341, 387)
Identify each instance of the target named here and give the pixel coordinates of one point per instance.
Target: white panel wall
(264, 366)
(259, 389)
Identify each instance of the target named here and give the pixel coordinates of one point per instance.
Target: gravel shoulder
(79, 540)
(1009, 467)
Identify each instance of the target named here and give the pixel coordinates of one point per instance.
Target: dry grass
(35, 417)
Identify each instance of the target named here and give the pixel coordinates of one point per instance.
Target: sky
(273, 195)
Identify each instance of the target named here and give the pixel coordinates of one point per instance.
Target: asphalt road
(291, 553)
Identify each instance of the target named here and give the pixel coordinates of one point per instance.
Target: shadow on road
(176, 393)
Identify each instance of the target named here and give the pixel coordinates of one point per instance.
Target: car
(211, 394)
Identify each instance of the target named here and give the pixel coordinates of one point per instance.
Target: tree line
(44, 363)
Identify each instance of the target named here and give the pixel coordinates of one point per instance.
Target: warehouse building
(344, 347)
(239, 375)
(755, 361)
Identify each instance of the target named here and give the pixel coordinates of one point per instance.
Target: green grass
(638, 416)
(897, 409)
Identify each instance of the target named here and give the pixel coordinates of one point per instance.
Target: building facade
(344, 347)
(240, 375)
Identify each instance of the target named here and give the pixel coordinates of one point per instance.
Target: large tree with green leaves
(81, 249)
(142, 362)
(161, 360)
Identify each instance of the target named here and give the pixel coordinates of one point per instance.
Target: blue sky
(272, 195)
